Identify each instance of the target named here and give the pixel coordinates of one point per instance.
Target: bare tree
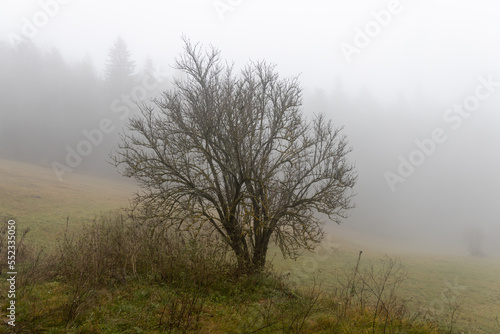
(235, 153)
(475, 238)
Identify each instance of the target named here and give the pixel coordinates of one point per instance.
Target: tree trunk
(242, 255)
(260, 251)
(251, 263)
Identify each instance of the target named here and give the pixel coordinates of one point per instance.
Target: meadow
(435, 284)
(437, 293)
(36, 199)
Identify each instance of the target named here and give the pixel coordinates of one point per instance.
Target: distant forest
(46, 102)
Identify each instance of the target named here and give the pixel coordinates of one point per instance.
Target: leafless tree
(234, 153)
(475, 238)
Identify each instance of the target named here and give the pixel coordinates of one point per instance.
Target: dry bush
(34, 266)
(33, 263)
(117, 248)
(286, 314)
(98, 255)
(176, 256)
(371, 292)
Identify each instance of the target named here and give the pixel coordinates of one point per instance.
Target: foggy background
(421, 59)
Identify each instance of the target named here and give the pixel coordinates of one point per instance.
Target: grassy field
(36, 199)
(435, 283)
(463, 290)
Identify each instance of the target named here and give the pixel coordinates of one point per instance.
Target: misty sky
(390, 86)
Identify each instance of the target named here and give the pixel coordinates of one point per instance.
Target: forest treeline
(48, 103)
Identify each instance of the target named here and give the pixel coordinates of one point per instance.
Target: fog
(416, 85)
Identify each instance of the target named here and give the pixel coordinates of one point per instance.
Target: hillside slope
(34, 197)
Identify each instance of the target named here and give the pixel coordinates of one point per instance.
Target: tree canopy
(235, 153)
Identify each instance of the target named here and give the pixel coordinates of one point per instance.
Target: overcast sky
(434, 44)
(387, 50)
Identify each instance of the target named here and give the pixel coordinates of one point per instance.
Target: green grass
(36, 199)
